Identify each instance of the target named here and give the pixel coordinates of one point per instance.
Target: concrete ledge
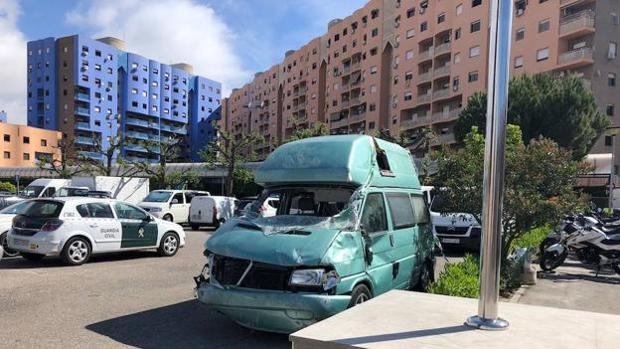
(402, 319)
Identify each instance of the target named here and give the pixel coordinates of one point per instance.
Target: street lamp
(493, 184)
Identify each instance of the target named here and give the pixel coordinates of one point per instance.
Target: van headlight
(315, 277)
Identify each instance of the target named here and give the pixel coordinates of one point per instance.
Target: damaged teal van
(351, 224)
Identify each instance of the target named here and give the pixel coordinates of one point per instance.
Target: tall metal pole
(612, 172)
(493, 184)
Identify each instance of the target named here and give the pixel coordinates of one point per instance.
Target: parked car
(454, 228)
(352, 223)
(243, 203)
(75, 228)
(211, 211)
(170, 205)
(6, 219)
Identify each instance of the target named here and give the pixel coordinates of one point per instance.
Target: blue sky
(227, 40)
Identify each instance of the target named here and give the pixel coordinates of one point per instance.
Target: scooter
(586, 240)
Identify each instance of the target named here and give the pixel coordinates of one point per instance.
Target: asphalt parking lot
(116, 301)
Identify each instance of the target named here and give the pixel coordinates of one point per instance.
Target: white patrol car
(74, 228)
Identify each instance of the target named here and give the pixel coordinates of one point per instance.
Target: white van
(44, 188)
(170, 205)
(211, 210)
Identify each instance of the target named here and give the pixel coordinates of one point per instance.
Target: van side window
(178, 197)
(374, 217)
(49, 192)
(401, 210)
(420, 209)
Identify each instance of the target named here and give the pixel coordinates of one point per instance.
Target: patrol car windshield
(43, 209)
(158, 196)
(32, 191)
(15, 208)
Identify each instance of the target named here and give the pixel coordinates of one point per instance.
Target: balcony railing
(142, 135)
(140, 122)
(425, 98)
(82, 110)
(445, 70)
(82, 126)
(580, 20)
(91, 155)
(82, 96)
(353, 118)
(84, 140)
(441, 93)
(447, 115)
(575, 55)
(141, 149)
(425, 76)
(424, 55)
(181, 130)
(445, 47)
(414, 122)
(339, 123)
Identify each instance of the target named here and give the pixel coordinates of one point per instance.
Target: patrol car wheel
(167, 217)
(360, 294)
(7, 252)
(169, 245)
(33, 257)
(76, 251)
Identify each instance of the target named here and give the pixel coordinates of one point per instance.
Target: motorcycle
(587, 238)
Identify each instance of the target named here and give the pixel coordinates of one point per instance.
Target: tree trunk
(230, 178)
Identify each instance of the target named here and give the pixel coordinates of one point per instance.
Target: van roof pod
(345, 159)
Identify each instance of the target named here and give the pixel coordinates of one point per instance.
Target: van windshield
(158, 196)
(298, 208)
(32, 191)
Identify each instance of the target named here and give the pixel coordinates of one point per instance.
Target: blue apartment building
(3, 117)
(94, 91)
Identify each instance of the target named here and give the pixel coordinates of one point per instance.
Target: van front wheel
(360, 294)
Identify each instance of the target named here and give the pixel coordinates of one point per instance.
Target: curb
(518, 294)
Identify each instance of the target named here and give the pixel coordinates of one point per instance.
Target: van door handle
(93, 225)
(391, 240)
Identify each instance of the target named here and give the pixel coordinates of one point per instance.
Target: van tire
(167, 217)
(194, 226)
(360, 294)
(425, 278)
(68, 255)
(33, 257)
(169, 245)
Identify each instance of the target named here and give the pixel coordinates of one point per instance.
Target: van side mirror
(174, 202)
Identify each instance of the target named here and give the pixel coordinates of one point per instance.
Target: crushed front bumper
(271, 311)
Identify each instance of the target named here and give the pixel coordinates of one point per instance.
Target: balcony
(84, 126)
(180, 130)
(82, 111)
(142, 136)
(442, 71)
(421, 120)
(443, 48)
(91, 155)
(425, 77)
(357, 117)
(445, 116)
(339, 123)
(443, 93)
(84, 140)
(84, 97)
(426, 55)
(575, 58)
(140, 122)
(578, 24)
(424, 98)
(141, 149)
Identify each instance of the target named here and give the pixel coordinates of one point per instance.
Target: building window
(520, 35)
(374, 32)
(7, 138)
(411, 12)
(410, 33)
(542, 54)
(474, 27)
(459, 9)
(27, 156)
(423, 26)
(26, 140)
(409, 55)
(520, 6)
(98, 67)
(518, 62)
(611, 79)
(110, 71)
(457, 58)
(473, 76)
(373, 69)
(7, 154)
(475, 3)
(610, 110)
(543, 26)
(608, 141)
(97, 109)
(474, 51)
(44, 142)
(613, 50)
(408, 96)
(457, 34)
(134, 91)
(374, 14)
(441, 18)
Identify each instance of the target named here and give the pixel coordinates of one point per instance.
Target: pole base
(487, 324)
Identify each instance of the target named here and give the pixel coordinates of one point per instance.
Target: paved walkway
(573, 286)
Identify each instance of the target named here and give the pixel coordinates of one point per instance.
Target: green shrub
(458, 279)
(532, 238)
(7, 186)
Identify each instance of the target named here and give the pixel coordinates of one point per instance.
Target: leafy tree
(71, 163)
(166, 151)
(230, 152)
(244, 183)
(538, 185)
(301, 132)
(7, 186)
(561, 109)
(401, 139)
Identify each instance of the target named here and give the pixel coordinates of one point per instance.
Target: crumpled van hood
(285, 249)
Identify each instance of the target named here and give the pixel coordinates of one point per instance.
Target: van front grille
(450, 230)
(229, 271)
